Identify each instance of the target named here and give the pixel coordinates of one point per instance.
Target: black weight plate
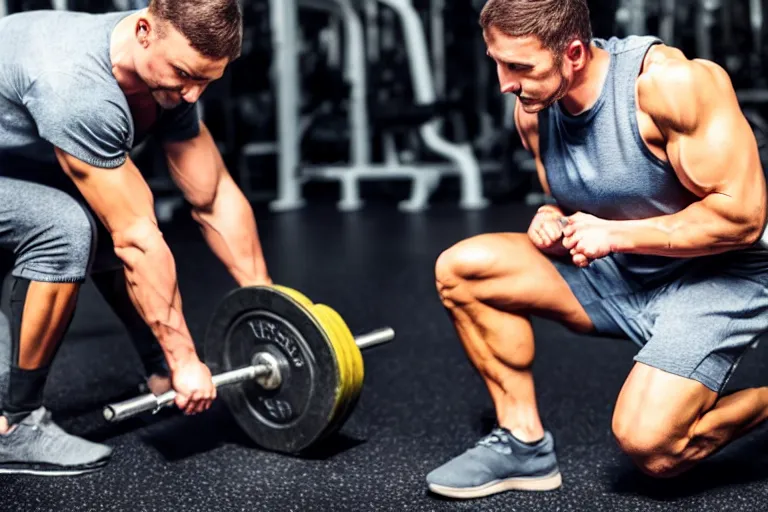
(255, 319)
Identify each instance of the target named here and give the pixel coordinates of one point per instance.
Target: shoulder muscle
(680, 94)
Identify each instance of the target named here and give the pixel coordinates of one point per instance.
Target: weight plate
(342, 356)
(340, 346)
(295, 295)
(354, 351)
(255, 319)
(354, 359)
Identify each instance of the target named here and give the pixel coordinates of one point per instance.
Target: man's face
(172, 69)
(528, 70)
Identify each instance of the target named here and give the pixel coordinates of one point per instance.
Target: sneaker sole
(50, 470)
(547, 483)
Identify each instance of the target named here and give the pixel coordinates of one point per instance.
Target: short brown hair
(554, 22)
(214, 28)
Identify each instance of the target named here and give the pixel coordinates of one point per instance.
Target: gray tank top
(597, 163)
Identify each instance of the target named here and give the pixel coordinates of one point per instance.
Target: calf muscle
(490, 285)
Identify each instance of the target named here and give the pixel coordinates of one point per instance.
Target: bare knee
(469, 260)
(657, 418)
(655, 450)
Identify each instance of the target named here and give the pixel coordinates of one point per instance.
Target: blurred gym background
(394, 100)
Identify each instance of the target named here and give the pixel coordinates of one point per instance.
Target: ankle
(526, 434)
(528, 437)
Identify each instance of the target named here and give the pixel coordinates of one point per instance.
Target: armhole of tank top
(633, 116)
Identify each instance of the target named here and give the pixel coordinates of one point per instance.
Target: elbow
(202, 206)
(202, 213)
(140, 234)
(752, 227)
(753, 232)
(201, 203)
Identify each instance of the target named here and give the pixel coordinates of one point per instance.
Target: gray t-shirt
(57, 89)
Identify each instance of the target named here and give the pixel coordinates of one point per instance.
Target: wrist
(179, 350)
(550, 209)
(180, 358)
(621, 237)
(256, 280)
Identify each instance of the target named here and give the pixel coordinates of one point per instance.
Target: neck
(121, 52)
(587, 83)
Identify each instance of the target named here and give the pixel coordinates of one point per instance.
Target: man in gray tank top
(654, 235)
(73, 203)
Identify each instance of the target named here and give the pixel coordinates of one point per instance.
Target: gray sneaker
(37, 446)
(497, 463)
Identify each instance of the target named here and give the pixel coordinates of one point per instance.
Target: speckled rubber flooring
(421, 405)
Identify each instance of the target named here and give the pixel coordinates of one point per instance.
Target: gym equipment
(705, 22)
(290, 371)
(631, 16)
(425, 177)
(667, 17)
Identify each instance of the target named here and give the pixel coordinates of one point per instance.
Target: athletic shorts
(34, 196)
(696, 323)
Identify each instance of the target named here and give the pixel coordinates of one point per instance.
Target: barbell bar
(266, 372)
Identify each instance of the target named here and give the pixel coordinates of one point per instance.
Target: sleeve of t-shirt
(180, 124)
(80, 119)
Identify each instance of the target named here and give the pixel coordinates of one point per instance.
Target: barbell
(290, 370)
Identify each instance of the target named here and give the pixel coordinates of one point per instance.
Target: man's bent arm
(123, 202)
(219, 206)
(698, 230)
(714, 153)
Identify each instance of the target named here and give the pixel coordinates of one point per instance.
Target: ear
(577, 54)
(143, 29)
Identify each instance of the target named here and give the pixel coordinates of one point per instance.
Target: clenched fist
(194, 386)
(546, 231)
(588, 238)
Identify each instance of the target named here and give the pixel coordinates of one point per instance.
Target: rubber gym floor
(421, 404)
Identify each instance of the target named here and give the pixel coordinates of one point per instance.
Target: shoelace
(497, 436)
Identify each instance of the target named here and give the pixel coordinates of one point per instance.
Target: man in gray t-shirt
(77, 93)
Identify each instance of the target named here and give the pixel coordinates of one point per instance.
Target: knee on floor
(654, 451)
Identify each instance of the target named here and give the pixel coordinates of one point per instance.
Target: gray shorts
(695, 324)
(47, 231)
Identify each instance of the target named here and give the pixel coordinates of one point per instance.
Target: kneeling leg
(667, 424)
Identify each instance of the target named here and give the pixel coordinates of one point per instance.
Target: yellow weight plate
(342, 412)
(342, 357)
(347, 356)
(358, 370)
(350, 348)
(352, 352)
(295, 295)
(358, 366)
